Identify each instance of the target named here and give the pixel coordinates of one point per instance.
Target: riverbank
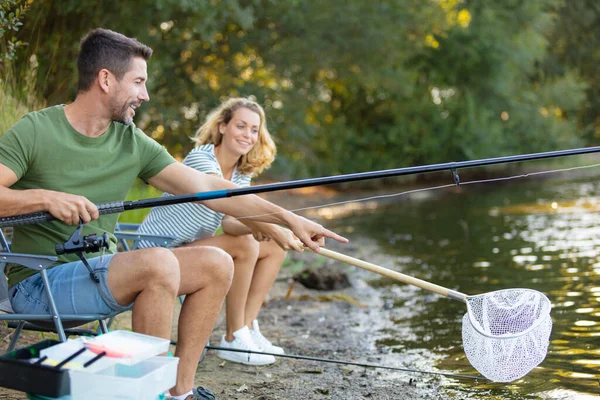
(338, 325)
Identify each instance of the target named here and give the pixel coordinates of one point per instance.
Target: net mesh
(506, 333)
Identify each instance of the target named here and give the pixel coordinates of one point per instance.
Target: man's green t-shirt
(46, 152)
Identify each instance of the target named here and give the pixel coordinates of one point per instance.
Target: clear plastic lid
(96, 353)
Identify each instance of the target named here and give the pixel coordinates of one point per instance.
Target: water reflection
(542, 235)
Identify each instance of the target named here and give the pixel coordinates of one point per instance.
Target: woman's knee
(244, 246)
(272, 251)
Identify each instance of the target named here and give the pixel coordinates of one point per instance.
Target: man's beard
(119, 113)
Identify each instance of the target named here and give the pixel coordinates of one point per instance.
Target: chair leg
(110, 321)
(125, 245)
(103, 326)
(15, 338)
(53, 309)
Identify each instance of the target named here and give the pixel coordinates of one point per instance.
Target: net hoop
(544, 313)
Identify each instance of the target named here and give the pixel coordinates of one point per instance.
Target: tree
(357, 85)
(574, 53)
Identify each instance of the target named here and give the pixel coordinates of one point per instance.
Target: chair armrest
(127, 227)
(162, 240)
(31, 261)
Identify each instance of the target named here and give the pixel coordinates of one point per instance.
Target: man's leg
(150, 279)
(206, 274)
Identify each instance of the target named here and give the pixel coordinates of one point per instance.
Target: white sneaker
(262, 342)
(243, 341)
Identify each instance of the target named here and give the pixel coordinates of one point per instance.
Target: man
(67, 158)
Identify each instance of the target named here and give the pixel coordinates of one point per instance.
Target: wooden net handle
(394, 275)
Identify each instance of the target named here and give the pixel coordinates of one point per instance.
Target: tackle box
(133, 371)
(18, 372)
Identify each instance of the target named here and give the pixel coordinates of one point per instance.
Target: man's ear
(105, 80)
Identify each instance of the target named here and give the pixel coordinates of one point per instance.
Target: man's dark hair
(103, 48)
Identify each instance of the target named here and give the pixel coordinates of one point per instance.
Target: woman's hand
(260, 236)
(283, 237)
(287, 240)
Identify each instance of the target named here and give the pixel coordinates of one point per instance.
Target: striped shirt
(190, 221)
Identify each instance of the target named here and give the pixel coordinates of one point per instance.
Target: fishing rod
(354, 363)
(87, 332)
(121, 206)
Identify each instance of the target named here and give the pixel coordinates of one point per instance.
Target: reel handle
(432, 287)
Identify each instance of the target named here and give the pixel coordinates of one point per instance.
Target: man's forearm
(251, 207)
(247, 206)
(179, 179)
(16, 202)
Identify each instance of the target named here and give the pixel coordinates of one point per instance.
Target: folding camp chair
(43, 322)
(126, 233)
(53, 322)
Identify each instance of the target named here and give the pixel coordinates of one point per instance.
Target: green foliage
(17, 96)
(11, 14)
(574, 47)
(470, 94)
(354, 85)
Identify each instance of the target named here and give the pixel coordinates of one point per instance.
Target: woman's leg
(270, 258)
(244, 250)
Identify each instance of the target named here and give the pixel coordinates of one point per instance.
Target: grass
(12, 109)
(18, 95)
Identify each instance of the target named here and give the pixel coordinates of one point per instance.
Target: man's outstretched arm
(179, 179)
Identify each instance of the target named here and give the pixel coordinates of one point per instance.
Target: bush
(11, 13)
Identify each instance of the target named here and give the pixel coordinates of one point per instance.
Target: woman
(233, 143)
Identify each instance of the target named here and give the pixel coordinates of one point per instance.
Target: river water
(539, 234)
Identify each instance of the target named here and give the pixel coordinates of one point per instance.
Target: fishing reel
(83, 244)
(79, 244)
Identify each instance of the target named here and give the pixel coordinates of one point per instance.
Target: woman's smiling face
(241, 133)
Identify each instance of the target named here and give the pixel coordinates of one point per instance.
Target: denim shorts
(74, 291)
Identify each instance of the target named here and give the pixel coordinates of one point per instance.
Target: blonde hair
(262, 153)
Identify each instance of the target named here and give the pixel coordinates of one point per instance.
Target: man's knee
(162, 267)
(221, 268)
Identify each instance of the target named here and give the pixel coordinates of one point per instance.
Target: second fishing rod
(121, 206)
